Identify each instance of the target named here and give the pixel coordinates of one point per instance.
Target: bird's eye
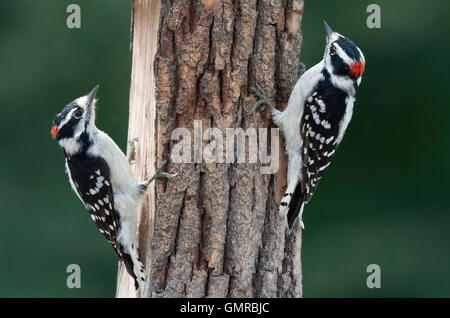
(78, 113)
(332, 50)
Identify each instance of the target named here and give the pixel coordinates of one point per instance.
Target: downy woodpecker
(100, 175)
(318, 112)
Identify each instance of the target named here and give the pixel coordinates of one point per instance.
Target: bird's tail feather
(133, 265)
(126, 258)
(286, 200)
(295, 204)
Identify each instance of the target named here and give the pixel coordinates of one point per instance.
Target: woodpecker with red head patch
(317, 115)
(100, 175)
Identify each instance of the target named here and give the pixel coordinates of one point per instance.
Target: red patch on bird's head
(54, 131)
(356, 69)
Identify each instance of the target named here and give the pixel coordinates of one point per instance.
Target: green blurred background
(383, 202)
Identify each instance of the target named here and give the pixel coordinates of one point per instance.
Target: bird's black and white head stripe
(72, 125)
(343, 60)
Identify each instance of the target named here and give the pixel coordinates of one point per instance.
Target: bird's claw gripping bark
(262, 102)
(159, 173)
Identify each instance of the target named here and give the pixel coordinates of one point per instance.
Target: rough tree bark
(214, 230)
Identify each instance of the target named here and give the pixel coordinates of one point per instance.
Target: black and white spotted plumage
(319, 131)
(319, 110)
(100, 176)
(92, 183)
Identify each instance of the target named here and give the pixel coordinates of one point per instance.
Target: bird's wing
(95, 189)
(318, 134)
(97, 194)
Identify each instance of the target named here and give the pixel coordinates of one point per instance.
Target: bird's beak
(54, 132)
(328, 29)
(91, 96)
(90, 102)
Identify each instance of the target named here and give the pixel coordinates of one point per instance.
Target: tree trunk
(214, 230)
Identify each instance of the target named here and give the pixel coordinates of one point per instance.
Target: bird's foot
(160, 173)
(262, 102)
(131, 149)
